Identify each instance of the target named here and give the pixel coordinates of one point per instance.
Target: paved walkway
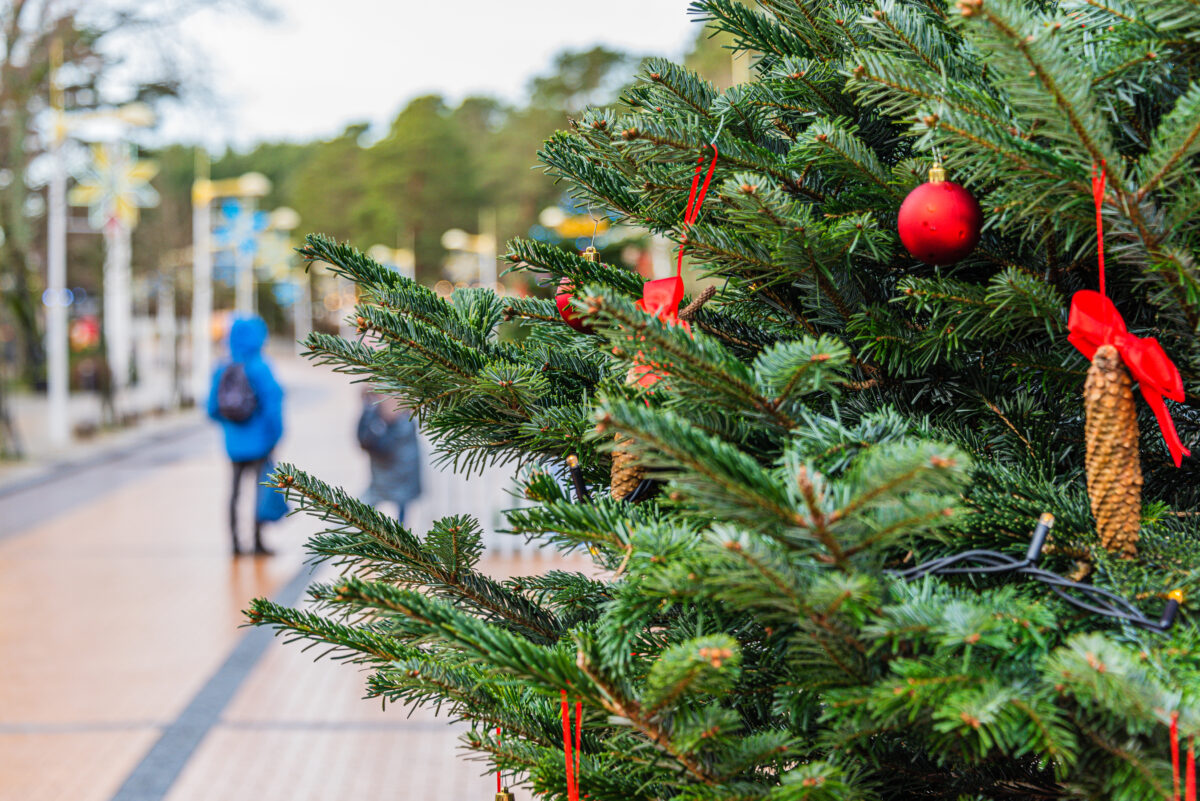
(124, 675)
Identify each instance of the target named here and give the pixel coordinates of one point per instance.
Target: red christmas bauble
(566, 291)
(939, 222)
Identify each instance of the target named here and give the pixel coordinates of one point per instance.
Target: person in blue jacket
(248, 403)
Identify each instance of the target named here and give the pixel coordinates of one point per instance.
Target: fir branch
(373, 646)
(1048, 76)
(612, 700)
(479, 591)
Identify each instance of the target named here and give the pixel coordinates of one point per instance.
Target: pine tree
(839, 410)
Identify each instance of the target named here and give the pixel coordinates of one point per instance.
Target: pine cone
(625, 475)
(1114, 471)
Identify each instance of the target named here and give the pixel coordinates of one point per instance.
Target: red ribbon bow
(1095, 321)
(661, 298)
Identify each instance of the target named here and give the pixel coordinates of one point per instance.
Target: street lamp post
(302, 313)
(167, 324)
(245, 300)
(57, 374)
(57, 298)
(486, 243)
(202, 270)
(117, 297)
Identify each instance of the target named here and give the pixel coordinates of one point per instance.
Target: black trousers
(255, 469)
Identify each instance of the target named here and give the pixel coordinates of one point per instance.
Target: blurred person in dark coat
(248, 403)
(389, 436)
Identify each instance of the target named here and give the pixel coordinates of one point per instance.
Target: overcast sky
(325, 63)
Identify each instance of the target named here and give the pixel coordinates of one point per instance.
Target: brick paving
(126, 676)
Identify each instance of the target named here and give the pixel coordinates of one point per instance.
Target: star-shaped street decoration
(115, 186)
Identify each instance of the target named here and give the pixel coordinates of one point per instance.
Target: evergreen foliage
(838, 410)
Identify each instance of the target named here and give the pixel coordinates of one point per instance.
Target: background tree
(421, 173)
(93, 38)
(328, 187)
(29, 30)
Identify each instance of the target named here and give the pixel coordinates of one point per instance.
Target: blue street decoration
(239, 227)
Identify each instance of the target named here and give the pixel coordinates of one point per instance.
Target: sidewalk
(126, 675)
(150, 399)
(41, 459)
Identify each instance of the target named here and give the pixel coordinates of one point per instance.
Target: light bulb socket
(1045, 523)
(1169, 613)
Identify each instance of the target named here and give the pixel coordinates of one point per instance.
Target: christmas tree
(840, 412)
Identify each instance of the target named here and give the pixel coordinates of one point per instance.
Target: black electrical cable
(1096, 600)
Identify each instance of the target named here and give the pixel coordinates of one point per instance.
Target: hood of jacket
(246, 338)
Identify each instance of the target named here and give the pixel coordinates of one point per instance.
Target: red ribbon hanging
(695, 201)
(578, 742)
(1173, 728)
(1190, 785)
(1098, 179)
(661, 297)
(1095, 321)
(499, 786)
(571, 757)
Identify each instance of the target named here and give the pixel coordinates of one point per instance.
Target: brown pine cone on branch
(1114, 471)
(625, 474)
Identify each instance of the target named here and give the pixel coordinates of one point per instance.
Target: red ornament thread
(499, 786)
(1189, 786)
(578, 734)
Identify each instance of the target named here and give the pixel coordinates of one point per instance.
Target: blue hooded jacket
(255, 438)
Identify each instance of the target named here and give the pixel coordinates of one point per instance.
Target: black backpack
(236, 401)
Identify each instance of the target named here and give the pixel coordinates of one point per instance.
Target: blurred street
(125, 673)
(165, 164)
